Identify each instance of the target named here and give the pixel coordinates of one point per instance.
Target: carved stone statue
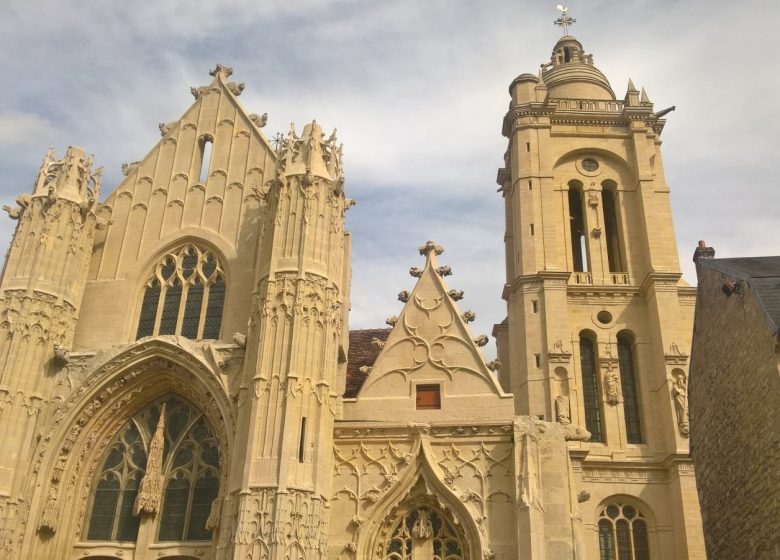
(422, 528)
(680, 398)
(611, 383)
(22, 202)
(562, 410)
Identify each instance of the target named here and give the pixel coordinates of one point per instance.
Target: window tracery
(622, 533)
(190, 473)
(184, 296)
(424, 532)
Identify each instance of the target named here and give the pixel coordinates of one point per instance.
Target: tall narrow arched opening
(631, 410)
(579, 249)
(611, 229)
(206, 147)
(590, 387)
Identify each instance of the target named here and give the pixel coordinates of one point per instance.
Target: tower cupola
(570, 74)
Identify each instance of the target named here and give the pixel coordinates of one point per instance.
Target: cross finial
(565, 20)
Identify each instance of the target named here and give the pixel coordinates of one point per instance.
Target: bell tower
(599, 320)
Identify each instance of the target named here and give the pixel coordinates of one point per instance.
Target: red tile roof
(361, 353)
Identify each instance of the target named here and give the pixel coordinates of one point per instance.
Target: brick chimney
(703, 252)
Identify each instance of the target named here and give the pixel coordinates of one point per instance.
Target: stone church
(178, 379)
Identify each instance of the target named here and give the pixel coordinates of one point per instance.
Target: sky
(417, 90)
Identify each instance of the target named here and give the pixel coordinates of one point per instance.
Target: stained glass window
(185, 295)
(424, 532)
(622, 533)
(590, 389)
(190, 466)
(116, 487)
(630, 396)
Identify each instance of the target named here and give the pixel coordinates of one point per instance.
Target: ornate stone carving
(403, 296)
(680, 400)
(22, 202)
(150, 492)
(456, 295)
(431, 246)
(611, 387)
(674, 357)
(576, 433)
(422, 528)
(493, 365)
(235, 87)
(391, 320)
(259, 120)
(444, 270)
(558, 354)
(468, 316)
(128, 168)
(562, 409)
(481, 340)
(415, 272)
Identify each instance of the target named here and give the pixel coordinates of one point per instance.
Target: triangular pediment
(208, 172)
(431, 344)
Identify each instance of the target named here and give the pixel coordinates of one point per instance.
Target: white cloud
(417, 91)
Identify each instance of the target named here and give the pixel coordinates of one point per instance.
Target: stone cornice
(582, 112)
(660, 281)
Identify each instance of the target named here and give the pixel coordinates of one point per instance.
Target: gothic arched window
(622, 533)
(184, 296)
(590, 388)
(171, 440)
(424, 532)
(628, 382)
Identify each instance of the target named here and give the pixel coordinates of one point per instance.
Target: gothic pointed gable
(430, 355)
(206, 173)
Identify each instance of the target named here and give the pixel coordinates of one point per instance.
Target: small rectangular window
(428, 397)
(538, 360)
(530, 186)
(302, 442)
(527, 146)
(535, 306)
(532, 229)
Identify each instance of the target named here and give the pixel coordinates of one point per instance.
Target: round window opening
(590, 164)
(604, 317)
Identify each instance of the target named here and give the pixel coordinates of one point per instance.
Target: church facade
(178, 379)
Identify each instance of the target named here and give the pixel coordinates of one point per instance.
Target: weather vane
(565, 20)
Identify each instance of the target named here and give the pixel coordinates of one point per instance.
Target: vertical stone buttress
(286, 419)
(40, 294)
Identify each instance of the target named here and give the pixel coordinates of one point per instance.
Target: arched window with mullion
(190, 468)
(191, 485)
(185, 296)
(623, 534)
(116, 487)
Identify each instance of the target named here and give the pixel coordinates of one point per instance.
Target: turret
(293, 350)
(40, 295)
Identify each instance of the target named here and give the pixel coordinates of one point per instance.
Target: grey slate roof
(762, 275)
